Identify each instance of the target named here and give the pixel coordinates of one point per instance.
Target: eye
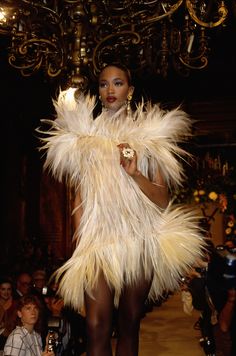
(103, 85)
(119, 83)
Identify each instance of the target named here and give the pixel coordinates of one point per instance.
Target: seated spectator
(23, 284)
(7, 310)
(24, 340)
(226, 329)
(68, 325)
(222, 287)
(39, 279)
(197, 288)
(229, 244)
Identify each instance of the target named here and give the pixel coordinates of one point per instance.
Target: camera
(48, 292)
(208, 345)
(54, 324)
(52, 341)
(223, 266)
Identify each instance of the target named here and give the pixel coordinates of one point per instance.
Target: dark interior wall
(23, 102)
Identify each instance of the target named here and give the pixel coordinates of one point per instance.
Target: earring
(128, 106)
(100, 98)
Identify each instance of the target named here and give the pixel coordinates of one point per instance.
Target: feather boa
(121, 231)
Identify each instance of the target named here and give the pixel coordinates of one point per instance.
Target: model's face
(114, 88)
(5, 291)
(29, 315)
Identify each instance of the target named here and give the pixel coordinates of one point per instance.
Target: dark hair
(28, 299)
(120, 66)
(6, 280)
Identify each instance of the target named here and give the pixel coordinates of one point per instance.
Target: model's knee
(98, 328)
(129, 322)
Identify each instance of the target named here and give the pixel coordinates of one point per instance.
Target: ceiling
(208, 94)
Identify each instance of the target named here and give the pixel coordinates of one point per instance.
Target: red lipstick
(111, 99)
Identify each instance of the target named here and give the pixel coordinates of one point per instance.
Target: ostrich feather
(121, 231)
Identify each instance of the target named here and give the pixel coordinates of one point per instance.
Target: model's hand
(128, 161)
(48, 353)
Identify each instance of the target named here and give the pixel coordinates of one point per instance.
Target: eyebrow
(105, 80)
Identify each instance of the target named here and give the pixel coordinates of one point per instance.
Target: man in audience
(23, 284)
(39, 280)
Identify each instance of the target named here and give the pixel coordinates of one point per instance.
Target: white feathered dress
(121, 231)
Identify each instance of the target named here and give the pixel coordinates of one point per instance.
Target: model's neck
(121, 112)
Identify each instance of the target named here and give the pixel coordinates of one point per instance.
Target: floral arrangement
(212, 185)
(230, 227)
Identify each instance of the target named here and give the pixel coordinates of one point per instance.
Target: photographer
(201, 300)
(66, 327)
(221, 283)
(226, 315)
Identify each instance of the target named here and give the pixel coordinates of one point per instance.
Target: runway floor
(168, 331)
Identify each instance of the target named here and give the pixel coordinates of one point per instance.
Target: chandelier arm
(203, 59)
(136, 39)
(12, 58)
(52, 73)
(151, 2)
(35, 68)
(71, 2)
(36, 4)
(23, 47)
(222, 11)
(37, 63)
(156, 18)
(202, 54)
(4, 32)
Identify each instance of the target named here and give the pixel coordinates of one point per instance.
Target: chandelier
(73, 39)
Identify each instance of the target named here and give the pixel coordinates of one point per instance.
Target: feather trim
(121, 232)
(153, 133)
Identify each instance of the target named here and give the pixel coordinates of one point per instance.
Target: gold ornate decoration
(72, 39)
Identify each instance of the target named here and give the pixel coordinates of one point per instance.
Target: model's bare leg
(99, 320)
(130, 312)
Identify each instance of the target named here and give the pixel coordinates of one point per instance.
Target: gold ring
(128, 152)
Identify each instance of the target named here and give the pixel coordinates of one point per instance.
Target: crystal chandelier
(72, 39)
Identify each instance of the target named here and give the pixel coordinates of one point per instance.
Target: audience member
(230, 244)
(213, 291)
(67, 325)
(24, 340)
(225, 330)
(221, 282)
(7, 310)
(39, 279)
(197, 285)
(23, 284)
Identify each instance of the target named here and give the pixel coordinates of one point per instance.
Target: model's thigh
(99, 306)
